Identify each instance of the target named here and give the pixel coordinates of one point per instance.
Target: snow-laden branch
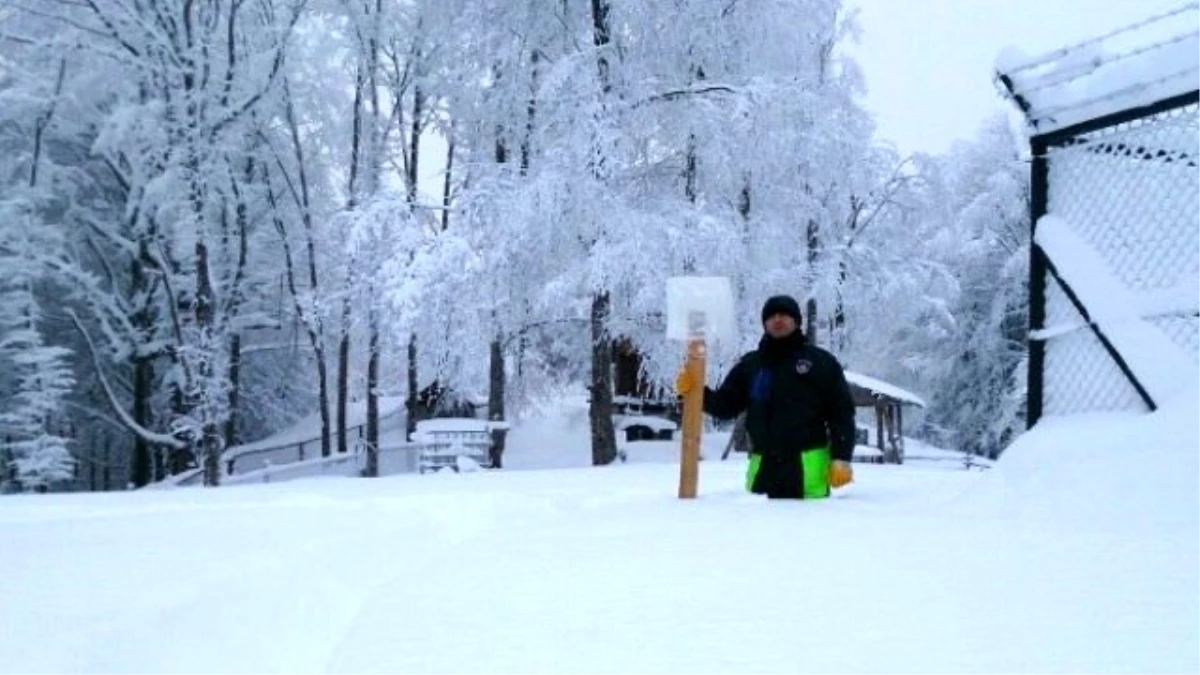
(886, 196)
(276, 66)
(130, 424)
(677, 94)
(525, 330)
(113, 31)
(18, 39)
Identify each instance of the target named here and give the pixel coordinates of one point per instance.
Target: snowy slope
(1078, 552)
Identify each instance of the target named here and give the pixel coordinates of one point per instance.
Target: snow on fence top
(1131, 67)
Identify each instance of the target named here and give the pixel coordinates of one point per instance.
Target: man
(799, 413)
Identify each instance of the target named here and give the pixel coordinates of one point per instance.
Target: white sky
(928, 63)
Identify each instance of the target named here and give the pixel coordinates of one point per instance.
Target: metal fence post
(1039, 186)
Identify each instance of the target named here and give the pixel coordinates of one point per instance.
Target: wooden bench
(448, 439)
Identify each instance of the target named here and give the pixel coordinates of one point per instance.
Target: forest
(218, 216)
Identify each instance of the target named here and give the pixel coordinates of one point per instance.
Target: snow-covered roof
(458, 424)
(650, 422)
(1138, 65)
(867, 451)
(880, 387)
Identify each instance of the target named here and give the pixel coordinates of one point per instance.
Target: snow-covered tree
(978, 386)
(965, 346)
(218, 214)
(37, 376)
(173, 135)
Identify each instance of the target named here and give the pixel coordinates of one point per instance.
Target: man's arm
(731, 398)
(839, 414)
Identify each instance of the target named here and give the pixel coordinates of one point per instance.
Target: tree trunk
(210, 442)
(739, 439)
(105, 483)
(447, 185)
(372, 466)
(143, 373)
(600, 407)
(235, 370)
(357, 152)
(530, 111)
(810, 319)
(323, 402)
(8, 472)
(356, 141)
(410, 403)
(745, 202)
(315, 322)
(412, 178)
(496, 401)
(496, 363)
(159, 457)
(414, 141)
(212, 446)
(237, 296)
(601, 37)
(143, 378)
(343, 384)
(838, 338)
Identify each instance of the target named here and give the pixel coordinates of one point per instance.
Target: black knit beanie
(781, 304)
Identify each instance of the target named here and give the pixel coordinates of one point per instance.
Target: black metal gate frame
(1040, 265)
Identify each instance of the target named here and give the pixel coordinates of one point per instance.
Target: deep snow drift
(1077, 552)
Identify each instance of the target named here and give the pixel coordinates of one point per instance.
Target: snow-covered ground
(1078, 552)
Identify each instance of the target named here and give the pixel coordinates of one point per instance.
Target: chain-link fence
(1128, 188)
(1114, 288)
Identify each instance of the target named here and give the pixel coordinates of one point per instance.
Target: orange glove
(840, 474)
(683, 382)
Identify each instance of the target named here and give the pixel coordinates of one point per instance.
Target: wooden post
(879, 429)
(693, 413)
(699, 310)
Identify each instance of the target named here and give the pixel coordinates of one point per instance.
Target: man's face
(780, 325)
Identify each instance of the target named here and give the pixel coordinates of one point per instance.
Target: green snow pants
(803, 475)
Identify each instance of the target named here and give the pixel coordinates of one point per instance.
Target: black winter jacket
(795, 397)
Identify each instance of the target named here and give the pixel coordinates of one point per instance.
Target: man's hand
(840, 474)
(683, 382)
